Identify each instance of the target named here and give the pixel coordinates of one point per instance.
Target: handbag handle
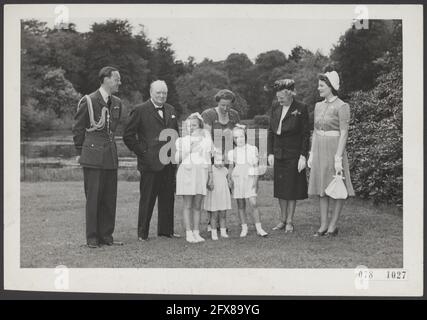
(339, 174)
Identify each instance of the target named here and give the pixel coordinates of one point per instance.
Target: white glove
(338, 164)
(270, 159)
(301, 163)
(310, 160)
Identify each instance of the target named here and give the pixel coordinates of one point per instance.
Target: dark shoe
(333, 233)
(320, 233)
(174, 235)
(279, 226)
(114, 243)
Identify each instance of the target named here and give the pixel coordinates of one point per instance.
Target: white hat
(334, 79)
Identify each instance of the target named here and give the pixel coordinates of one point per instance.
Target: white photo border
(204, 281)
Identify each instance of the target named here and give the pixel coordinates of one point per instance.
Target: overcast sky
(216, 38)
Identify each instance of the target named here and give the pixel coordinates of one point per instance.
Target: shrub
(375, 139)
(262, 121)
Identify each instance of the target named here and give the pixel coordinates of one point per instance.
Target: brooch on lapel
(295, 113)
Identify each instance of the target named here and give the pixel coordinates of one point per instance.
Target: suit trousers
(101, 195)
(158, 185)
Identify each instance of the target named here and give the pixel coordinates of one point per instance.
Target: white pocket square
(173, 116)
(116, 107)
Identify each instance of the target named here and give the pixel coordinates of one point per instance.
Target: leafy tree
(197, 90)
(112, 44)
(356, 51)
(164, 68)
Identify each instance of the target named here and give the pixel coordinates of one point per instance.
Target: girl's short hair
(324, 78)
(226, 95)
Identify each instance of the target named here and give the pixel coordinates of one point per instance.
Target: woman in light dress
(328, 156)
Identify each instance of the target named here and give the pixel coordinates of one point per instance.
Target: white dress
(192, 174)
(245, 160)
(219, 198)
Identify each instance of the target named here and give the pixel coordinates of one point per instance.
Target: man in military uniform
(93, 132)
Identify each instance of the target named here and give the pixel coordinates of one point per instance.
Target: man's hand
(77, 159)
(270, 159)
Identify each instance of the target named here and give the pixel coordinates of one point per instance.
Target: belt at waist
(332, 133)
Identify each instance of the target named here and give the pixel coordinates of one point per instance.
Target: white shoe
(197, 236)
(261, 233)
(190, 237)
(244, 232)
(259, 230)
(224, 233)
(214, 235)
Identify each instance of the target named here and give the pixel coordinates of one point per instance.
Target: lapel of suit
(100, 98)
(277, 113)
(156, 114)
(289, 113)
(167, 115)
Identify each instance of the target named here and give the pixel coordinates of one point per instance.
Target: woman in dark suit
(288, 139)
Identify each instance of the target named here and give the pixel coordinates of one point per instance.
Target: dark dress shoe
(114, 243)
(320, 233)
(333, 233)
(175, 235)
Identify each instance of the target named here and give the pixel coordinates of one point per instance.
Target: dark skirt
(288, 183)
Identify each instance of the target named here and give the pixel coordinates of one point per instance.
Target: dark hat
(283, 84)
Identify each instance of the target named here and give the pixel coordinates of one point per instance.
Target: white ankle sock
(224, 232)
(214, 234)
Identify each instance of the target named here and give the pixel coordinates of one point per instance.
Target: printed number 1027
(396, 275)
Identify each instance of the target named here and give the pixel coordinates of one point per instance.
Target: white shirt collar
(332, 99)
(104, 94)
(157, 106)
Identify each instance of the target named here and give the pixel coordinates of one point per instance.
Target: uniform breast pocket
(115, 112)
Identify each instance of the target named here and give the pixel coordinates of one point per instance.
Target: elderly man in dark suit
(143, 136)
(93, 132)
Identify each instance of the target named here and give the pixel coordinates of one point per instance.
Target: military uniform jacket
(142, 134)
(293, 140)
(97, 149)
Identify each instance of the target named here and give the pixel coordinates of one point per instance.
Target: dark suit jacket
(97, 149)
(294, 138)
(143, 130)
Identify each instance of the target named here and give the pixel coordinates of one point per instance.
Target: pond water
(56, 149)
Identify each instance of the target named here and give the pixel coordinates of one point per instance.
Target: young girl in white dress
(244, 178)
(218, 200)
(193, 152)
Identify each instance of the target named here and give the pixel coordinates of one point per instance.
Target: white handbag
(337, 189)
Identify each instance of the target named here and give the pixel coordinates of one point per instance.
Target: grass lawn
(53, 233)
